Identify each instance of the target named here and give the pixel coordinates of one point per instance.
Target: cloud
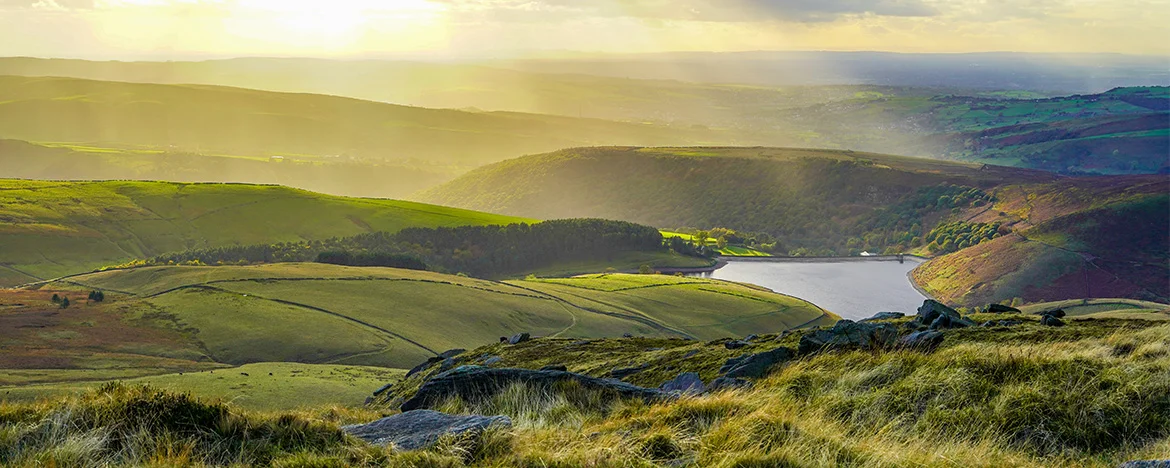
(59, 5)
(695, 10)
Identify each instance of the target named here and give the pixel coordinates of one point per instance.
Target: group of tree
(482, 251)
(958, 235)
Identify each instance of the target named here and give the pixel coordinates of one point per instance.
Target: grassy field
(52, 228)
(165, 320)
(1104, 308)
(1091, 394)
(264, 386)
(728, 251)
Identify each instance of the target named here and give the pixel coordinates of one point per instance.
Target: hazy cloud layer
(700, 10)
(501, 27)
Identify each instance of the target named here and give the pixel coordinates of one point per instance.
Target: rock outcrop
(475, 382)
(921, 341)
(884, 316)
(519, 338)
(686, 383)
(938, 316)
(419, 429)
(1002, 309)
(847, 334)
(755, 365)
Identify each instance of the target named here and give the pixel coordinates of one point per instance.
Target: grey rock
(450, 353)
(492, 360)
(475, 382)
(921, 341)
(414, 430)
(988, 324)
(735, 344)
(1051, 321)
(932, 309)
(884, 316)
(728, 383)
(447, 365)
(690, 354)
(847, 334)
(556, 367)
(946, 322)
(519, 338)
(1058, 313)
(383, 389)
(1146, 464)
(627, 335)
(1001, 309)
(755, 365)
(686, 383)
(749, 338)
(1008, 323)
(623, 372)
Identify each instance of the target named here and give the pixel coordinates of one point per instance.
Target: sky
(178, 29)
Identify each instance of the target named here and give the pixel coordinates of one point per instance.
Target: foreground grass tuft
(1019, 398)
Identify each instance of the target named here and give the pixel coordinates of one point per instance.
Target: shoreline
(872, 258)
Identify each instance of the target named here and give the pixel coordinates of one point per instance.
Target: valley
(560, 259)
(820, 202)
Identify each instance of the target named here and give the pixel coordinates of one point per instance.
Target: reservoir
(854, 289)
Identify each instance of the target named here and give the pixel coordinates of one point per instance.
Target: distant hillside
(949, 115)
(1123, 131)
(51, 228)
(49, 161)
(840, 203)
(235, 121)
(460, 86)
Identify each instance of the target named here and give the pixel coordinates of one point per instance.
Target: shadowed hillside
(818, 202)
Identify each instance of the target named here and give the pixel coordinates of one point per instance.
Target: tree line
(483, 251)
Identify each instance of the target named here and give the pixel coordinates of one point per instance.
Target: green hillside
(176, 320)
(246, 122)
(1019, 233)
(51, 228)
(266, 386)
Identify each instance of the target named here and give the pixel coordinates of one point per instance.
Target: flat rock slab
(420, 429)
(472, 382)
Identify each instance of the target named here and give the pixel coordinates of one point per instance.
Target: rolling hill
(204, 319)
(235, 121)
(1042, 230)
(354, 178)
(55, 228)
(1121, 131)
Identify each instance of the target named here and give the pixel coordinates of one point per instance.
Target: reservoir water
(854, 289)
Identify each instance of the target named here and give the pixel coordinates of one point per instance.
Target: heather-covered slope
(1019, 233)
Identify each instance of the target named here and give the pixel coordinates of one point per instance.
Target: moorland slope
(55, 228)
(823, 202)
